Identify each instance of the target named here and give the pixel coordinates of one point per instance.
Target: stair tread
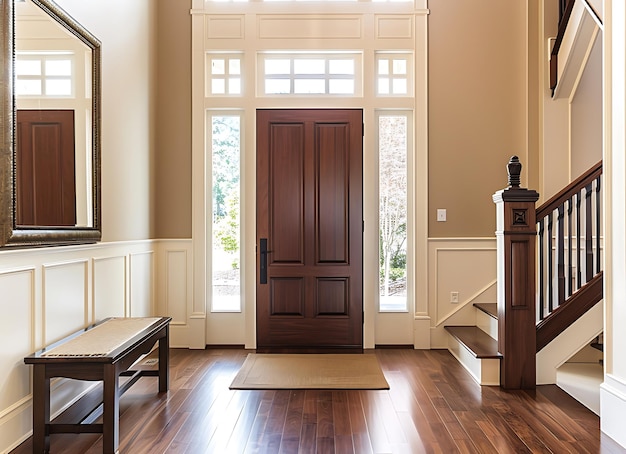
(475, 340)
(490, 309)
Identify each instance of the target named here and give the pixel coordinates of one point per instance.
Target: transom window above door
(304, 74)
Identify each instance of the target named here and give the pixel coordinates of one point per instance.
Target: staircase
(567, 319)
(550, 279)
(580, 374)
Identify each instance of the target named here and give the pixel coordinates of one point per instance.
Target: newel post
(516, 236)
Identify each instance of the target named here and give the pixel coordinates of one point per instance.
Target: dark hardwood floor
(433, 406)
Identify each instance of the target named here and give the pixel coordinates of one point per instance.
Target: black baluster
(541, 271)
(579, 275)
(550, 266)
(588, 234)
(560, 255)
(598, 215)
(570, 276)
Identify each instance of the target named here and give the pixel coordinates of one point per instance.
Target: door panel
(310, 210)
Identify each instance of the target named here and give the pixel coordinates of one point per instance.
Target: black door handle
(263, 265)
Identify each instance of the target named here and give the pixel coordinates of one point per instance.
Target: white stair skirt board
(582, 381)
(484, 371)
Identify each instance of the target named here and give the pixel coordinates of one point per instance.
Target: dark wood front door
(45, 168)
(309, 229)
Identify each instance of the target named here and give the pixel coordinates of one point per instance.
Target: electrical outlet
(454, 297)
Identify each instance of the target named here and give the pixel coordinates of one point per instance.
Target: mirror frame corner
(12, 235)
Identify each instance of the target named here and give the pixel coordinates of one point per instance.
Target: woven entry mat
(310, 371)
(103, 339)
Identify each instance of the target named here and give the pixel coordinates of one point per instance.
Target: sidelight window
(226, 231)
(393, 147)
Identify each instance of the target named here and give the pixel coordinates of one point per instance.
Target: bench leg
(164, 362)
(111, 410)
(41, 409)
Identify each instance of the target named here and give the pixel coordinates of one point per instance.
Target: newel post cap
(514, 193)
(514, 170)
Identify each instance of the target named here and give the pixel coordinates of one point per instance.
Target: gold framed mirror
(49, 127)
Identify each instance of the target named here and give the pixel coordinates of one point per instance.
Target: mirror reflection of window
(44, 75)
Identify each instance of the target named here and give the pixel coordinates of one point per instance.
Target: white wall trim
(613, 405)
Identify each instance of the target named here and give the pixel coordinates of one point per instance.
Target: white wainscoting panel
(16, 324)
(65, 299)
(17, 331)
(109, 287)
(141, 284)
(176, 285)
(49, 293)
(463, 265)
(174, 288)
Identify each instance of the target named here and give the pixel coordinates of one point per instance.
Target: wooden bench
(104, 351)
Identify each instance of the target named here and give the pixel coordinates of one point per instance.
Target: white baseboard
(613, 408)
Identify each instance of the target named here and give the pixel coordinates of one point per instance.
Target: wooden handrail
(566, 193)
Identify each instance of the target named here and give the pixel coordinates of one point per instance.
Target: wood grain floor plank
(433, 406)
(360, 433)
(227, 421)
(375, 423)
(406, 404)
(273, 432)
(243, 427)
(325, 423)
(308, 439)
(258, 427)
(293, 422)
(342, 423)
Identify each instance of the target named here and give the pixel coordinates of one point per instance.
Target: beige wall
(172, 184)
(586, 114)
(146, 111)
(477, 113)
(477, 109)
(128, 111)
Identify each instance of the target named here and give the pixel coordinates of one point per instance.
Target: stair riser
(487, 323)
(484, 371)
